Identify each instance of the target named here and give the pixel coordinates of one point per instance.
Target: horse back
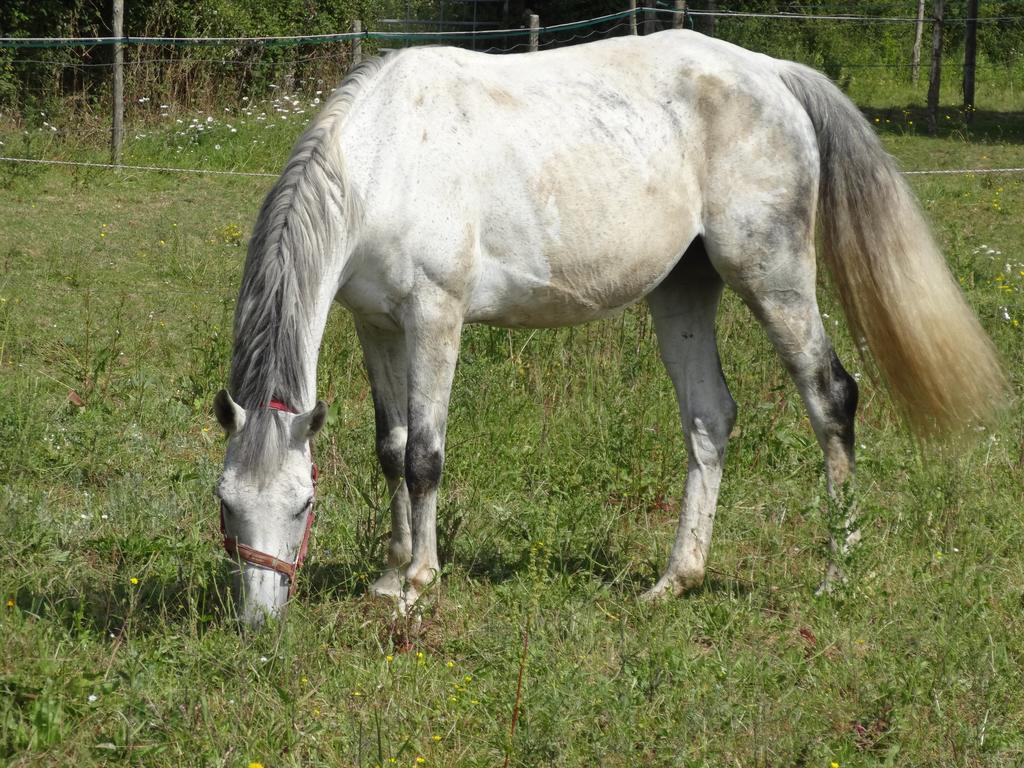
(561, 186)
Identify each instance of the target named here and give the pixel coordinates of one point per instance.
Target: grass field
(565, 467)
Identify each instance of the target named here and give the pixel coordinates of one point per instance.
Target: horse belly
(568, 259)
(594, 287)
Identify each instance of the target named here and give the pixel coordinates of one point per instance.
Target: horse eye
(305, 507)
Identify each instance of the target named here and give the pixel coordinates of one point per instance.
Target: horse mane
(289, 250)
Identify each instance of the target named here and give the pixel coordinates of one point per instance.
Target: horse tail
(898, 294)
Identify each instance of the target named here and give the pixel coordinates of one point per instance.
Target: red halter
(252, 556)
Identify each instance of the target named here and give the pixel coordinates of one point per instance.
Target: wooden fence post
(357, 42)
(936, 74)
(679, 18)
(632, 17)
(117, 129)
(534, 31)
(650, 20)
(915, 56)
(713, 9)
(970, 57)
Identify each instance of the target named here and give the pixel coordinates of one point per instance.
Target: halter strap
(247, 554)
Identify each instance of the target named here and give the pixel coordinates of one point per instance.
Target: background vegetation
(565, 469)
(76, 81)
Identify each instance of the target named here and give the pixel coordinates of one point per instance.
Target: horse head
(266, 494)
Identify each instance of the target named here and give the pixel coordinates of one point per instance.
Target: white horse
(440, 187)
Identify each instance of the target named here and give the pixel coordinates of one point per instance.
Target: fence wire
(121, 167)
(274, 80)
(461, 35)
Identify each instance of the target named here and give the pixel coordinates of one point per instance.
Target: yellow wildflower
(133, 581)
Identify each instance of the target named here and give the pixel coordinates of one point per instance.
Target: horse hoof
(834, 577)
(419, 579)
(389, 585)
(407, 606)
(672, 586)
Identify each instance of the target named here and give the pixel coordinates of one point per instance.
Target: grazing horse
(440, 187)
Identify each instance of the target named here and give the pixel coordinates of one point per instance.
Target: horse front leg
(385, 355)
(433, 332)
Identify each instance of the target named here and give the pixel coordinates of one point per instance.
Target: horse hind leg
(684, 308)
(778, 285)
(386, 365)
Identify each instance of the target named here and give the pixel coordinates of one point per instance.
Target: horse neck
(291, 277)
(305, 232)
(322, 300)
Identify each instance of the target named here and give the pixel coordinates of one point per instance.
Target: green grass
(564, 471)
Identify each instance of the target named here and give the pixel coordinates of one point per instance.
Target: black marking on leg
(839, 391)
(424, 461)
(390, 455)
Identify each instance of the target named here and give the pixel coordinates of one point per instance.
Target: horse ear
(229, 413)
(309, 423)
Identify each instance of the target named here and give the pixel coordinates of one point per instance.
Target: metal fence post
(915, 55)
(534, 31)
(632, 17)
